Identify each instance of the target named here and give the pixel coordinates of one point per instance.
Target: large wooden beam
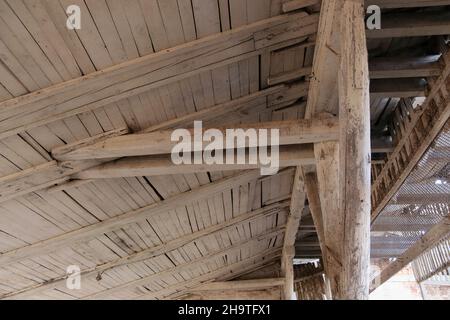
(323, 93)
(432, 237)
(159, 142)
(96, 229)
(354, 151)
(143, 74)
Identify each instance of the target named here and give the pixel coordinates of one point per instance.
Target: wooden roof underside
(148, 233)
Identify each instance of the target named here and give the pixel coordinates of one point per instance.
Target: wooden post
(354, 145)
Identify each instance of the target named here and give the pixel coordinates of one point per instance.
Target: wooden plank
(142, 74)
(354, 153)
(290, 132)
(289, 76)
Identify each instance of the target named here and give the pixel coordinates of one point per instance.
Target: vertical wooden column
(354, 145)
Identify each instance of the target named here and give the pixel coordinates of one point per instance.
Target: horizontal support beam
(398, 88)
(408, 24)
(435, 234)
(186, 266)
(382, 68)
(292, 5)
(290, 132)
(289, 156)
